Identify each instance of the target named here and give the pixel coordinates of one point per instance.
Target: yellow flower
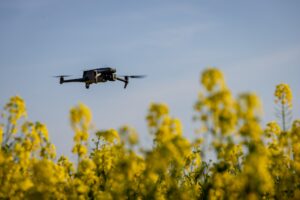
(80, 114)
(129, 134)
(249, 106)
(273, 127)
(26, 184)
(110, 135)
(16, 108)
(81, 136)
(212, 78)
(80, 117)
(153, 177)
(79, 149)
(42, 130)
(1, 133)
(283, 94)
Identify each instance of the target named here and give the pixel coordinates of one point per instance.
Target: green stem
(8, 132)
(283, 117)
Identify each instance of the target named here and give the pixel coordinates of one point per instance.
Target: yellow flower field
(253, 161)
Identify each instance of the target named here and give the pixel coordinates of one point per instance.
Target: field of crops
(253, 160)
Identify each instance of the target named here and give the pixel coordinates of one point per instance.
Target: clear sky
(255, 43)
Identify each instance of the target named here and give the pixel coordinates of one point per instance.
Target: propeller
(134, 76)
(61, 76)
(126, 77)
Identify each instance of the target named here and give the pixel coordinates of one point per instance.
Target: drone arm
(125, 80)
(74, 80)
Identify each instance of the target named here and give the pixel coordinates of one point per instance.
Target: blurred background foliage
(253, 161)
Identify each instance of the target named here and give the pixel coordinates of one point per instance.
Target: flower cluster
(283, 94)
(248, 160)
(283, 99)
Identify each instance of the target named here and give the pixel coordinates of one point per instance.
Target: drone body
(99, 75)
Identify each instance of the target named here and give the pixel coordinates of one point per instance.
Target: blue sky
(255, 43)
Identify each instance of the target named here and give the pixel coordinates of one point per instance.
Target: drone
(99, 75)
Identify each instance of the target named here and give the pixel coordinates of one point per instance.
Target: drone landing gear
(87, 86)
